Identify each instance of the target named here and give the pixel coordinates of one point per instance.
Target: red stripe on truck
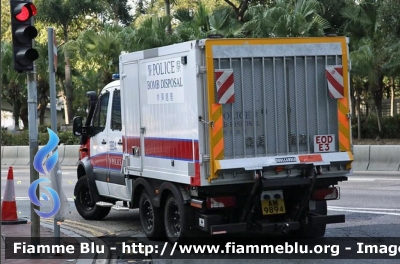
(195, 180)
(99, 160)
(128, 143)
(166, 148)
(178, 149)
(115, 161)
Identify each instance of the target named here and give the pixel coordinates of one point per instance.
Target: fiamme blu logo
(44, 161)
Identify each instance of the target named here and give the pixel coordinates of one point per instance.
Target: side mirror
(77, 126)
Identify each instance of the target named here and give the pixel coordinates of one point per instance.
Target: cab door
(99, 143)
(116, 181)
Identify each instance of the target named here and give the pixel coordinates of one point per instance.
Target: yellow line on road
(96, 231)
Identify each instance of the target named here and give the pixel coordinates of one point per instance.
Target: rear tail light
(214, 202)
(279, 169)
(331, 193)
(220, 202)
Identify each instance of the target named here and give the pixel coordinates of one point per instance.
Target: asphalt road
(370, 201)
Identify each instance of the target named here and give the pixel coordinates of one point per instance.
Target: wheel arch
(158, 197)
(139, 185)
(178, 191)
(86, 168)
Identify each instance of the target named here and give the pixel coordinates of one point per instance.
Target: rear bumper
(284, 227)
(281, 183)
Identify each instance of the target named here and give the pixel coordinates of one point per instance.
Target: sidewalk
(24, 230)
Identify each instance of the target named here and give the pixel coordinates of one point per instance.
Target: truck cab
(102, 143)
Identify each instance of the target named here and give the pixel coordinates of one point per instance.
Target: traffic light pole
(33, 147)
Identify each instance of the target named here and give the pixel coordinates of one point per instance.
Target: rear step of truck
(113, 206)
(326, 219)
(104, 204)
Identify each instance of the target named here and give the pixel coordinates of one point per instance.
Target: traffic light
(23, 33)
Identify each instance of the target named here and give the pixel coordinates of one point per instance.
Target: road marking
(94, 230)
(362, 179)
(370, 179)
(364, 212)
(361, 208)
(27, 199)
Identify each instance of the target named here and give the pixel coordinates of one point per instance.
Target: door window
(116, 123)
(100, 115)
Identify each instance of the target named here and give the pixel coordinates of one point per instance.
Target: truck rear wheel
(314, 231)
(175, 219)
(84, 204)
(150, 217)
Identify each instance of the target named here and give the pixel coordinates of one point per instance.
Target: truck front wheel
(175, 219)
(84, 204)
(150, 217)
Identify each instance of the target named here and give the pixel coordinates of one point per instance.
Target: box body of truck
(249, 133)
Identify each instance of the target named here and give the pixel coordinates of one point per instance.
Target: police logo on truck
(286, 159)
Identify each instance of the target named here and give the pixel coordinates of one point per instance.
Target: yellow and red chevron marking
(343, 103)
(344, 126)
(334, 75)
(217, 140)
(225, 86)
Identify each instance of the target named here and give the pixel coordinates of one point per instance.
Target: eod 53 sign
(324, 143)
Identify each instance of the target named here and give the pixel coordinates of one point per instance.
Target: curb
(83, 235)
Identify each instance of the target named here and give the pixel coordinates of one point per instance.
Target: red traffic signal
(22, 12)
(23, 33)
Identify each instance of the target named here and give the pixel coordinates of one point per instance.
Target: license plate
(272, 203)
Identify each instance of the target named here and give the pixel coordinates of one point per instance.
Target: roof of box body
(193, 44)
(160, 51)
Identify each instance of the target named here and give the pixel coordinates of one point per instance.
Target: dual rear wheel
(168, 220)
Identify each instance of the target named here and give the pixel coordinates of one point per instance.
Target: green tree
(42, 80)
(100, 49)
(14, 86)
(240, 7)
(286, 19)
(65, 14)
(202, 22)
(367, 45)
(192, 24)
(5, 20)
(239, 10)
(117, 11)
(168, 4)
(389, 18)
(223, 22)
(158, 37)
(331, 12)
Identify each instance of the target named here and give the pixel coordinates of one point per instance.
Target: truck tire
(84, 204)
(314, 231)
(150, 217)
(175, 219)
